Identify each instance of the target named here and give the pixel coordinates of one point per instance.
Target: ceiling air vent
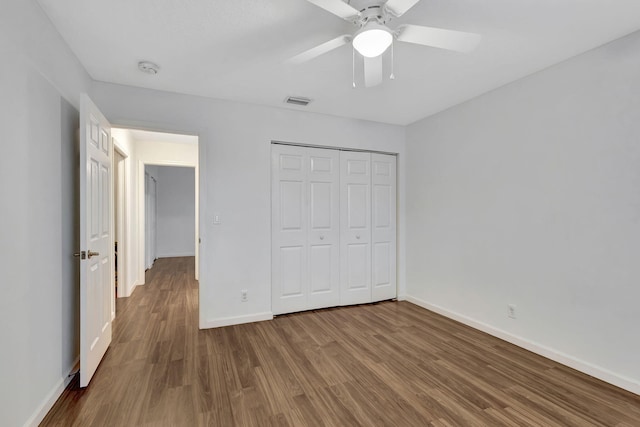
(296, 100)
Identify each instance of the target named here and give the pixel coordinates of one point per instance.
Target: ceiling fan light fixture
(372, 40)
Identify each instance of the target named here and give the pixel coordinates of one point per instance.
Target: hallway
(390, 363)
(141, 380)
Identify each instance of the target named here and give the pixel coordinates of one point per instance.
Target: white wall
(176, 212)
(530, 195)
(235, 182)
(40, 83)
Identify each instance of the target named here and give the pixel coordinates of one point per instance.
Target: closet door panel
(383, 181)
(289, 281)
(324, 228)
(292, 271)
(355, 225)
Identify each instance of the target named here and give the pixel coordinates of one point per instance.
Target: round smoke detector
(148, 67)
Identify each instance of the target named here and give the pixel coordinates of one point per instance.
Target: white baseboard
(51, 398)
(176, 255)
(236, 320)
(129, 290)
(550, 353)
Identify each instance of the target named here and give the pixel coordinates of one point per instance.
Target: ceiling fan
(374, 37)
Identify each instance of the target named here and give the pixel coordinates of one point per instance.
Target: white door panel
(355, 225)
(289, 230)
(96, 240)
(383, 234)
(320, 276)
(320, 198)
(292, 261)
(324, 228)
(358, 208)
(381, 264)
(357, 264)
(292, 205)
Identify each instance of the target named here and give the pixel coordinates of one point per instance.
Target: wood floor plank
(389, 363)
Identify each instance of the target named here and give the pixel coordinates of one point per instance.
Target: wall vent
(297, 100)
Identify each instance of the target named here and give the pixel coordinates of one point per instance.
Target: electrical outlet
(511, 311)
(244, 295)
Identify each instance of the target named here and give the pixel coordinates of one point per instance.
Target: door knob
(358, 236)
(321, 237)
(92, 254)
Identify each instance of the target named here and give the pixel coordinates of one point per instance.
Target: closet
(333, 227)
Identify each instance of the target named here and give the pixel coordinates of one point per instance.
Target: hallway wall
(176, 212)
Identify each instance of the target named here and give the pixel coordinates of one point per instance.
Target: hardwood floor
(390, 363)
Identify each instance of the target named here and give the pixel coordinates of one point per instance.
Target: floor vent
(296, 100)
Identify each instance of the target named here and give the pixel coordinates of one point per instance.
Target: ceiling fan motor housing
(370, 11)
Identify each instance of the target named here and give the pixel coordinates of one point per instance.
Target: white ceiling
(235, 49)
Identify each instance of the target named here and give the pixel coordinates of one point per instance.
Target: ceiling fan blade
(458, 41)
(372, 71)
(338, 8)
(399, 7)
(314, 52)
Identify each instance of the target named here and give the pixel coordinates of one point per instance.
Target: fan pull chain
(392, 76)
(353, 66)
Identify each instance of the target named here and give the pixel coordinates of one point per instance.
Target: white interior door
(96, 239)
(153, 220)
(119, 232)
(150, 215)
(383, 234)
(323, 235)
(289, 281)
(355, 225)
(147, 221)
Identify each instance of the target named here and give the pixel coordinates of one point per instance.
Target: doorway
(150, 150)
(170, 212)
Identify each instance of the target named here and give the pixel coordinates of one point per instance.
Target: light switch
(216, 218)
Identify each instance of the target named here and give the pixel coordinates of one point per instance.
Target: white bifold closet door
(368, 227)
(333, 228)
(305, 225)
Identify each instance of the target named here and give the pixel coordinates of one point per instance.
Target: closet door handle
(321, 237)
(358, 236)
